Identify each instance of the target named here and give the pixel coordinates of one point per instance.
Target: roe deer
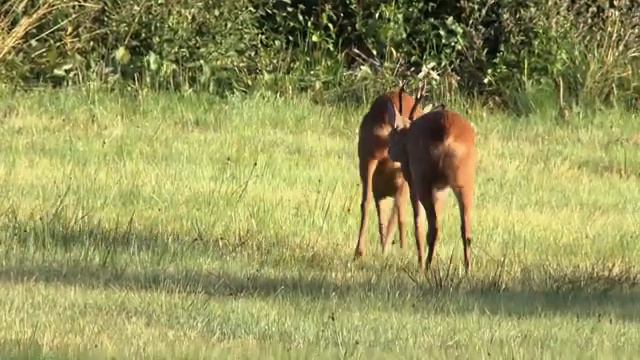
(380, 176)
(437, 151)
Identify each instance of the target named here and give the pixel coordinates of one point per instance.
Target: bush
(581, 51)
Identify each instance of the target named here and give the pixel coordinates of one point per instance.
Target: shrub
(580, 51)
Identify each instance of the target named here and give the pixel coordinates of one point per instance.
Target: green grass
(170, 226)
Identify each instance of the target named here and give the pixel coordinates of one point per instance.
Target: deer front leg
(401, 209)
(367, 169)
(391, 223)
(384, 230)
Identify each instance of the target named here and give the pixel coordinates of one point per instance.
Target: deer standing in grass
(437, 151)
(380, 176)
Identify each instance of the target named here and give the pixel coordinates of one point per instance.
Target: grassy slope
(191, 227)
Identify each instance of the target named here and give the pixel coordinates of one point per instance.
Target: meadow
(187, 226)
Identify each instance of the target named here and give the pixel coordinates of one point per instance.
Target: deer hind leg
(434, 215)
(419, 226)
(367, 169)
(428, 202)
(465, 204)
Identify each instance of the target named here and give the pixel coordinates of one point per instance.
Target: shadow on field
(84, 257)
(393, 294)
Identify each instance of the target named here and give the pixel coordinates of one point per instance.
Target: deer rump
(438, 141)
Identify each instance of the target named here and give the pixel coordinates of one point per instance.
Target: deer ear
(394, 119)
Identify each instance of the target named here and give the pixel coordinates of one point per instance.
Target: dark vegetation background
(508, 54)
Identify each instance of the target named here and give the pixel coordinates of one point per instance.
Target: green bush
(580, 51)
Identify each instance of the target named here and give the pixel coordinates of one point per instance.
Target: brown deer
(380, 176)
(437, 151)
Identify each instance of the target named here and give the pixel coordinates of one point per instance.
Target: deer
(381, 177)
(437, 152)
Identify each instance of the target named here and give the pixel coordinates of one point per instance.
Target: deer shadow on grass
(370, 282)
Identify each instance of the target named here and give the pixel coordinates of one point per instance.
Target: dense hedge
(586, 50)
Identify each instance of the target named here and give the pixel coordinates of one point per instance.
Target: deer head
(394, 115)
(400, 124)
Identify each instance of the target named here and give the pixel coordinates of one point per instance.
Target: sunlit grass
(192, 227)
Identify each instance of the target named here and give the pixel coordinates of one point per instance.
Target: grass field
(188, 227)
